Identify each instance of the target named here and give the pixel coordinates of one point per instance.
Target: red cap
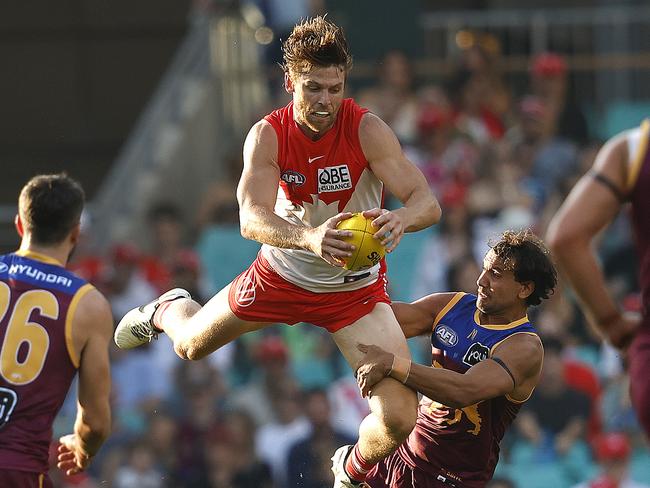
(612, 446)
(271, 348)
(431, 118)
(125, 253)
(548, 65)
(188, 259)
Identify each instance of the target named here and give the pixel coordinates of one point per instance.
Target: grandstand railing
(177, 146)
(606, 47)
(131, 179)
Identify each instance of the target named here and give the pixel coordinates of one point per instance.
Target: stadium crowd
(270, 409)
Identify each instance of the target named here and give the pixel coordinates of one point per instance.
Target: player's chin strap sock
(356, 467)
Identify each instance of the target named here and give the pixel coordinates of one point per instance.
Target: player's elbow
(561, 240)
(554, 238)
(245, 226)
(435, 212)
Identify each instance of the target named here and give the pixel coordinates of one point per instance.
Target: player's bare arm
(589, 208)
(92, 331)
(521, 353)
(417, 318)
(257, 192)
(401, 178)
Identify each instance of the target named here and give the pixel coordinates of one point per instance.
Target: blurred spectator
(480, 55)
(161, 437)
(167, 235)
(186, 273)
(555, 417)
(612, 452)
(272, 377)
(447, 160)
(125, 282)
(550, 81)
(547, 156)
(309, 458)
(200, 399)
(140, 472)
(442, 251)
(393, 98)
(85, 261)
(273, 440)
(472, 115)
(232, 462)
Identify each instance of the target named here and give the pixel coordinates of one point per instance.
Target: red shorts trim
(260, 294)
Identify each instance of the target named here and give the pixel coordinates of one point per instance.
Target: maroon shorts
(23, 479)
(260, 294)
(639, 371)
(394, 472)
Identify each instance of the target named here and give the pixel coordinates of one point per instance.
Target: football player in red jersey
(487, 359)
(308, 166)
(53, 326)
(620, 174)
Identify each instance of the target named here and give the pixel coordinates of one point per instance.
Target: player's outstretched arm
(588, 209)
(521, 353)
(401, 178)
(92, 328)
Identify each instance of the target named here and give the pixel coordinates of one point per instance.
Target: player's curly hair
(529, 258)
(315, 42)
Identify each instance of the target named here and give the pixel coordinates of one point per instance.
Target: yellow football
(368, 251)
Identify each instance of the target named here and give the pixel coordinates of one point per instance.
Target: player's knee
(400, 424)
(188, 350)
(399, 415)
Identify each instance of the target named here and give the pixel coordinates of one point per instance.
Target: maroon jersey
(640, 198)
(38, 298)
(460, 446)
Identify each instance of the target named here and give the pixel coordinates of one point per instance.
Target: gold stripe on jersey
(511, 325)
(448, 307)
(69, 342)
(41, 477)
(37, 256)
(639, 157)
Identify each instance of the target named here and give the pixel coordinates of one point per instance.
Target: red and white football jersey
(319, 179)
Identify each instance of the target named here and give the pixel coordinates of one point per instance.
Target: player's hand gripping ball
(367, 250)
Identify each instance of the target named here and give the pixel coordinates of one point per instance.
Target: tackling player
(487, 359)
(53, 325)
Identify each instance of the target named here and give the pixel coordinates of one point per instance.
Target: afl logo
(245, 292)
(293, 178)
(4, 267)
(446, 335)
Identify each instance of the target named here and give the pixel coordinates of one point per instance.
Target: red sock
(156, 320)
(356, 467)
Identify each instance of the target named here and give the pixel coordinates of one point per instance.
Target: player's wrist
(400, 369)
